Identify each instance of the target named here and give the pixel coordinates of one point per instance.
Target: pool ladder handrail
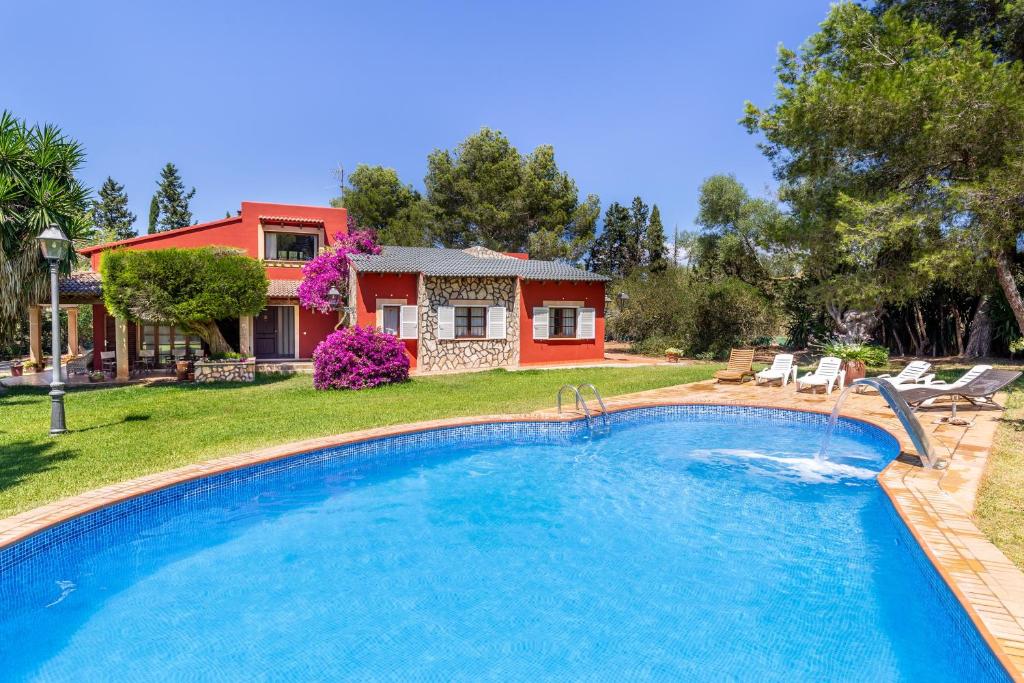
(581, 403)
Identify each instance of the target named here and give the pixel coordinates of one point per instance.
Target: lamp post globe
(53, 243)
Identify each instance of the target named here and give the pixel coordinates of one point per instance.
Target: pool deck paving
(935, 504)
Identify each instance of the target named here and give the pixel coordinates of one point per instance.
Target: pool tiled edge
(933, 505)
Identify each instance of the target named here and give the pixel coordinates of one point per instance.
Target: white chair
(178, 354)
(828, 374)
(964, 379)
(910, 376)
(782, 369)
(146, 360)
(939, 384)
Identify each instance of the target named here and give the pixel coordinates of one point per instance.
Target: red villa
(455, 309)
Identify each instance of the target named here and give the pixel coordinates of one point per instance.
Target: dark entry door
(264, 333)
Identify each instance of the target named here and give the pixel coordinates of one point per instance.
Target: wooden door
(265, 333)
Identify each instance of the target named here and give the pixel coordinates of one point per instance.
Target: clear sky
(261, 100)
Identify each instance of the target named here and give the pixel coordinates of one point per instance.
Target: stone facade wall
(226, 371)
(446, 355)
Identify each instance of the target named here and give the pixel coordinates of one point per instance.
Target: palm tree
(37, 187)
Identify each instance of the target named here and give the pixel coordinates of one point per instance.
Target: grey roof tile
(460, 263)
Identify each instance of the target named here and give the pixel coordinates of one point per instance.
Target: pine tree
(609, 255)
(654, 242)
(110, 213)
(639, 214)
(173, 200)
(154, 212)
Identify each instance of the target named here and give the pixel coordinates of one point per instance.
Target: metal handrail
(597, 395)
(579, 401)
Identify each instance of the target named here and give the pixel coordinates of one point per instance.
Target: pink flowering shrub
(358, 358)
(330, 268)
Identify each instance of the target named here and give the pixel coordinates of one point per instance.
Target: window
(563, 322)
(470, 322)
(286, 246)
(164, 338)
(390, 318)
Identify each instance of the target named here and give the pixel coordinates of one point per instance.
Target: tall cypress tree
(154, 212)
(173, 200)
(609, 255)
(110, 213)
(654, 242)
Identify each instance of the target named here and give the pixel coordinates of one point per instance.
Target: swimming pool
(690, 542)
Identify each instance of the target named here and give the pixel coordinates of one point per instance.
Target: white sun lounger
(782, 369)
(828, 374)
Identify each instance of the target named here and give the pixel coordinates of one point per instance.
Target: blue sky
(261, 100)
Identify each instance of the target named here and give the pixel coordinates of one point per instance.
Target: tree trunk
(210, 333)
(1004, 272)
(922, 332)
(979, 342)
(958, 331)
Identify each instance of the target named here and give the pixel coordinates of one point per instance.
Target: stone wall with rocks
(226, 371)
(447, 355)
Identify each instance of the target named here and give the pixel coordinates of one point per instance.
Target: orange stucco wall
(313, 329)
(240, 231)
(373, 286)
(534, 293)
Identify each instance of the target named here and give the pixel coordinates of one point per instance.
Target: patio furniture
(828, 374)
(108, 360)
(980, 390)
(77, 365)
(146, 360)
(740, 366)
(782, 369)
(913, 374)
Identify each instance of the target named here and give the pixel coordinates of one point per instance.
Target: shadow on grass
(23, 459)
(131, 417)
(261, 380)
(1014, 423)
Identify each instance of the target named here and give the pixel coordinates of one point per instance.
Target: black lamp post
(54, 245)
(623, 300)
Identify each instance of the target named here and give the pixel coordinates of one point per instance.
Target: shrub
(869, 354)
(358, 358)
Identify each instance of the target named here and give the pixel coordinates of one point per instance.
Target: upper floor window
(288, 246)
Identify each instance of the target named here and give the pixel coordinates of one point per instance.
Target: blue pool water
(688, 544)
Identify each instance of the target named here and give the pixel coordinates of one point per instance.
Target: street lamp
(54, 245)
(623, 299)
(334, 297)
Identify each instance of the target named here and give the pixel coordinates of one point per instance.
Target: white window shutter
(446, 322)
(409, 322)
(541, 315)
(497, 327)
(585, 323)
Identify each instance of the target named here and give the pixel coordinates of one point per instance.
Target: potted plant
(97, 376)
(181, 369)
(856, 357)
(672, 354)
(16, 368)
(38, 366)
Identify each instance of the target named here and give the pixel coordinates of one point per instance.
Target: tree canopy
(485, 192)
(378, 200)
(188, 288)
(885, 136)
(37, 187)
(110, 215)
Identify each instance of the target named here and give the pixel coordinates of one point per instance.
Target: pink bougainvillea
(330, 268)
(358, 358)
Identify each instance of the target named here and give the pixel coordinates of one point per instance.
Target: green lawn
(1000, 507)
(123, 432)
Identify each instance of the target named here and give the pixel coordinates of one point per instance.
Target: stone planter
(855, 369)
(225, 370)
(672, 357)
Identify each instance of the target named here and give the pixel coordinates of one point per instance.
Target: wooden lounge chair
(740, 368)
